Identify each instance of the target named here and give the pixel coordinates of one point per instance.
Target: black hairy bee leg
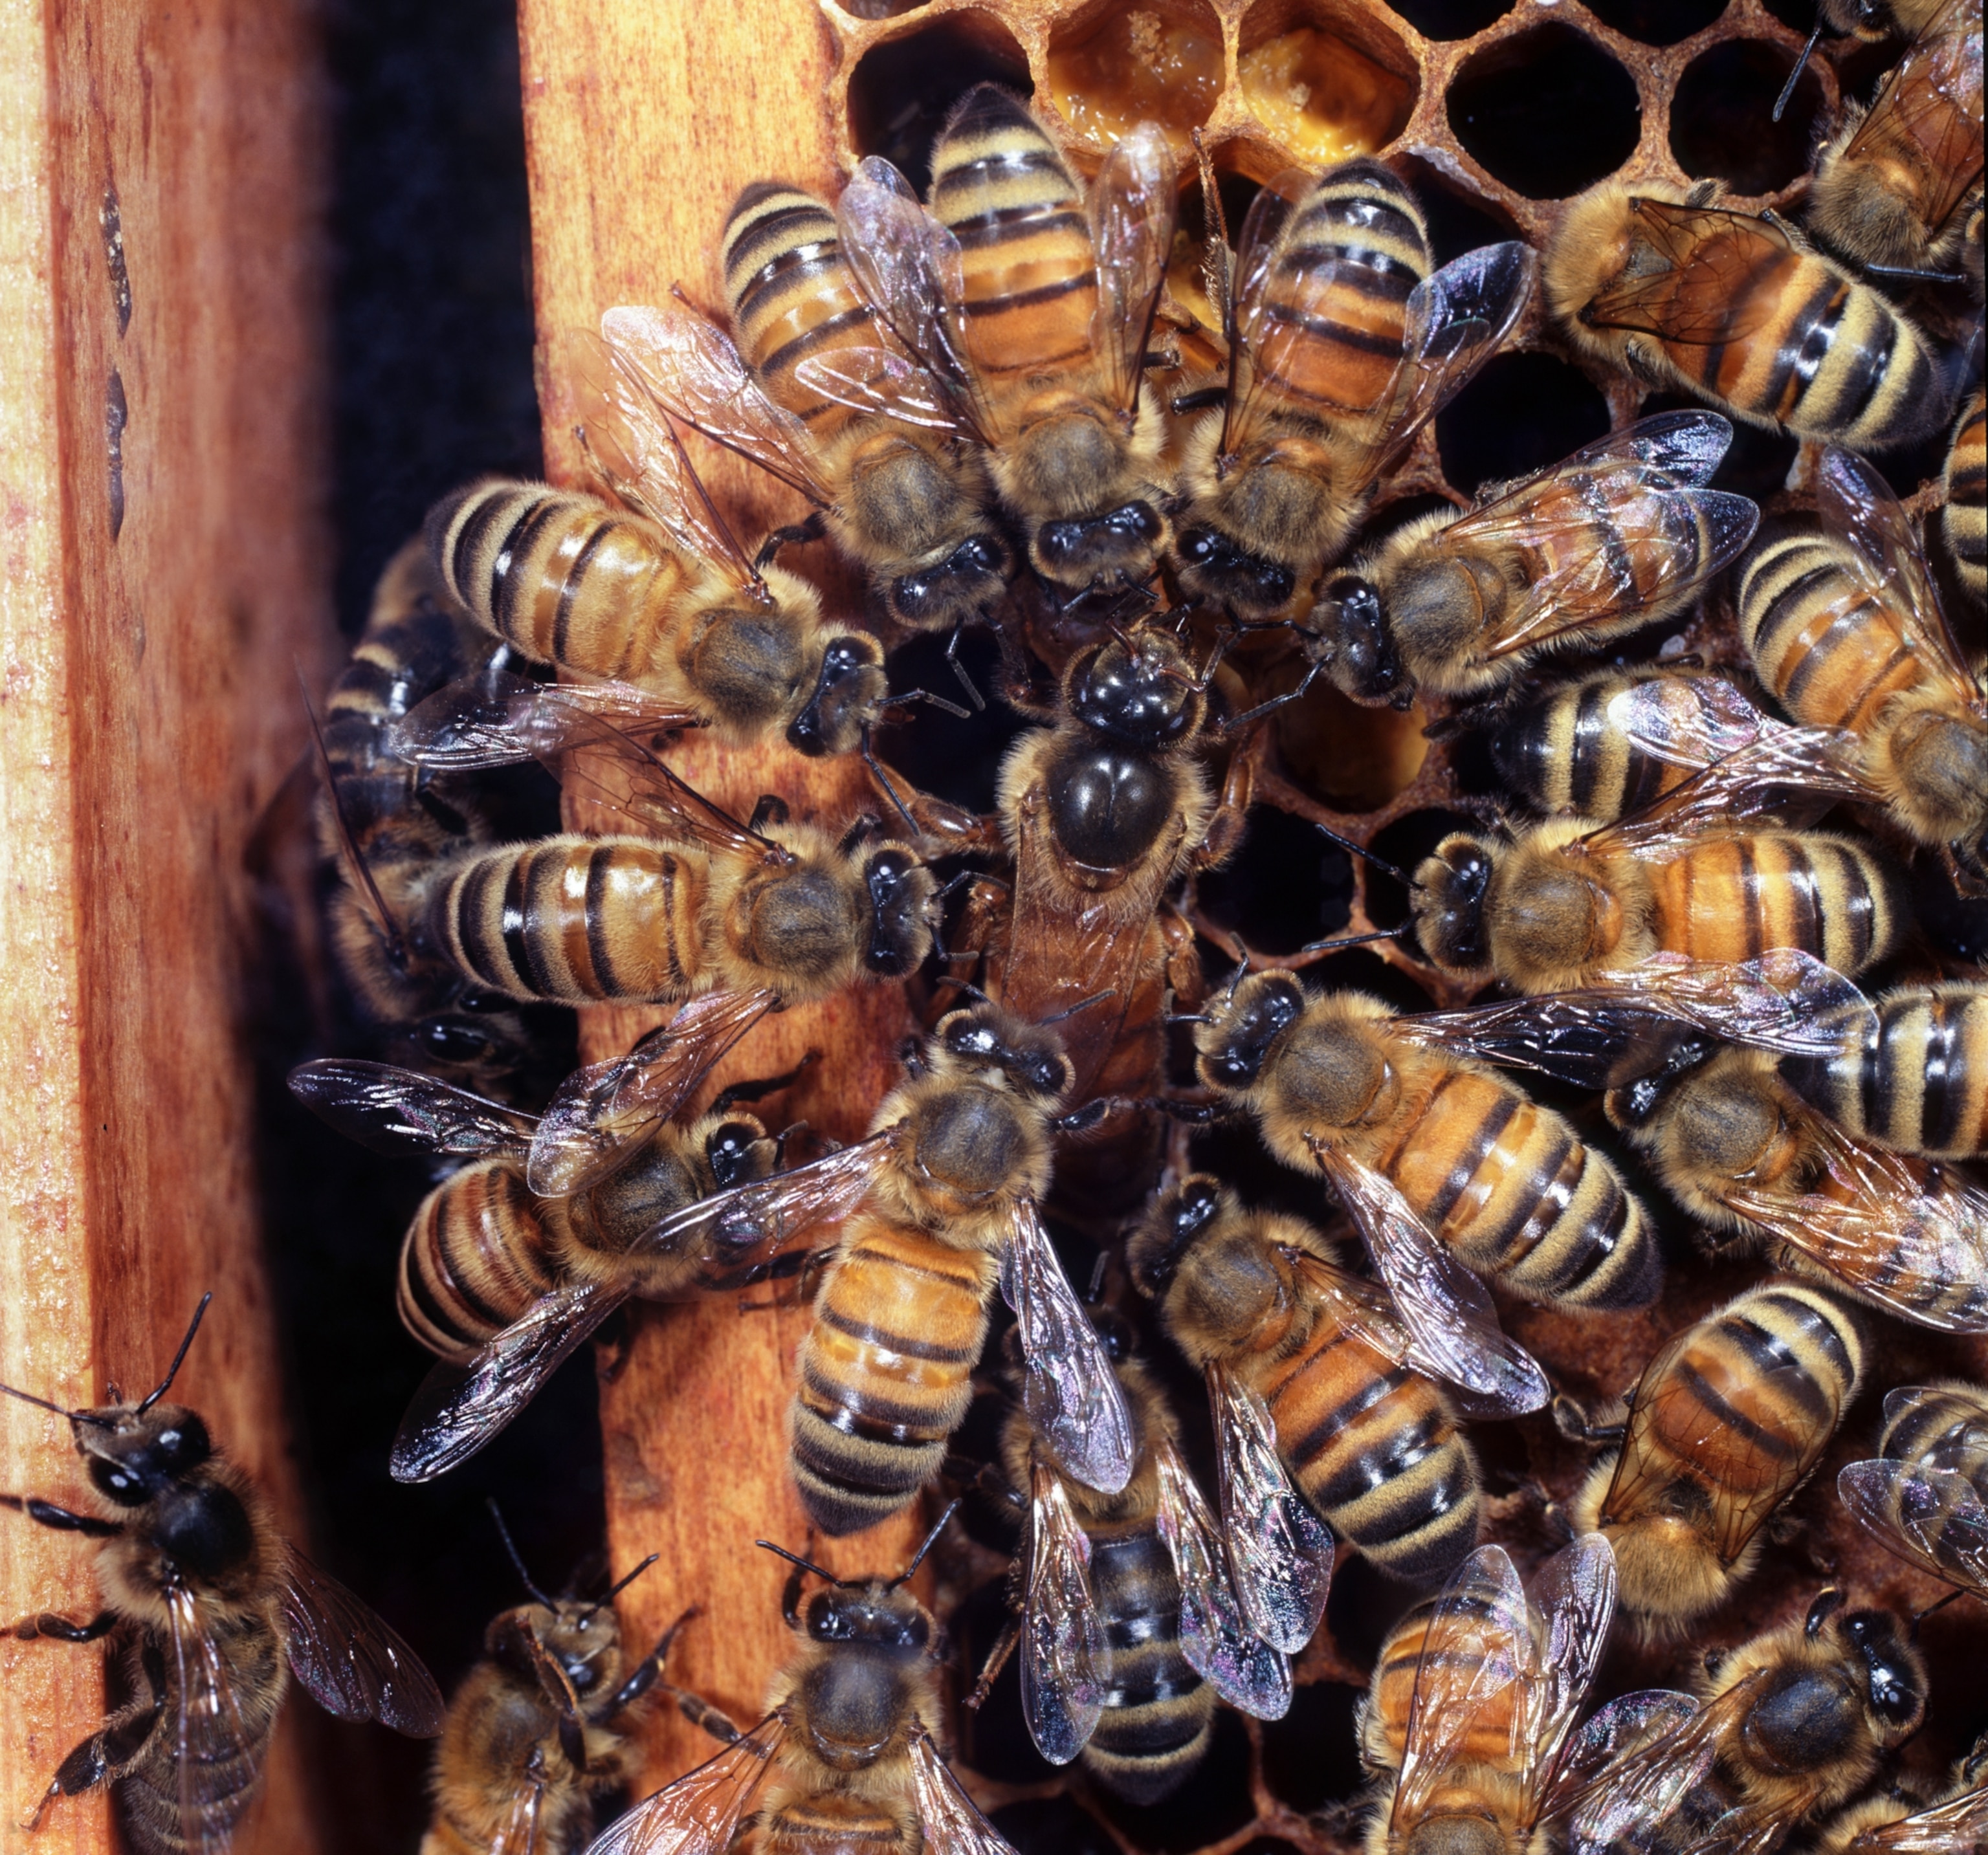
(45, 1513)
(60, 1629)
(793, 535)
(113, 1747)
(646, 1674)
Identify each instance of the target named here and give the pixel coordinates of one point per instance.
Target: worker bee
(1793, 1723)
(1684, 293)
(1952, 1822)
(511, 1263)
(1738, 1148)
(1309, 1370)
(1925, 1493)
(1445, 1166)
(1963, 519)
(1620, 534)
(1128, 1624)
(1472, 1698)
(1845, 629)
(1891, 185)
(1342, 345)
(846, 1755)
(208, 1603)
(1725, 1423)
(536, 1730)
(943, 1194)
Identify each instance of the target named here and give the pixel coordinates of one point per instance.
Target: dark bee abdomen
(1373, 1447)
(575, 920)
(1563, 753)
(474, 1260)
(1156, 1719)
(1964, 521)
(884, 1371)
(999, 186)
(1506, 1185)
(1730, 899)
(1916, 1079)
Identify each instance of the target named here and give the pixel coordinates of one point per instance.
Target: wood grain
(642, 123)
(148, 710)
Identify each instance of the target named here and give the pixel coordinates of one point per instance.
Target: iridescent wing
(495, 719)
(1958, 1826)
(1931, 1517)
(1622, 1807)
(951, 1821)
(701, 1812)
(879, 381)
(1279, 1551)
(1708, 293)
(1263, 336)
(1932, 100)
(1070, 1392)
(353, 1665)
(1220, 1647)
(212, 1748)
(398, 1111)
(1572, 1600)
(458, 1409)
(1609, 1736)
(1447, 1310)
(1066, 1658)
(1131, 209)
(599, 1111)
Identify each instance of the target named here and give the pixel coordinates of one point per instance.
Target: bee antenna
(890, 792)
(908, 697)
(806, 1565)
(1379, 862)
(918, 1557)
(1353, 940)
(1919, 1616)
(1082, 1004)
(615, 1590)
(1794, 76)
(75, 1416)
(172, 1371)
(966, 985)
(517, 1558)
(1095, 1293)
(1187, 1018)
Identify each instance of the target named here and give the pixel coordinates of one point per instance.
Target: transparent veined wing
(701, 1812)
(1932, 97)
(399, 1111)
(1265, 333)
(1930, 1517)
(1957, 1826)
(1610, 1736)
(1634, 1793)
(1572, 1599)
(1066, 1659)
(951, 1820)
(881, 381)
(217, 1758)
(1131, 209)
(496, 719)
(1701, 298)
(518, 1834)
(348, 1658)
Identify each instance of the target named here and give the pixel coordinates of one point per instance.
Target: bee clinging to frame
(213, 1612)
(1925, 1494)
(1343, 342)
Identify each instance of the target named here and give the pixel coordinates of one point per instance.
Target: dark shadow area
(1548, 113)
(1722, 117)
(1657, 21)
(1522, 413)
(899, 95)
(1450, 19)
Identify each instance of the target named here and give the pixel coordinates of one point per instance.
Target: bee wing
(1665, 1751)
(457, 1410)
(1131, 207)
(701, 1812)
(1717, 249)
(354, 1665)
(398, 1111)
(212, 1747)
(518, 1833)
(1279, 1551)
(599, 1110)
(692, 371)
(1857, 506)
(951, 1821)
(1572, 1602)
(1714, 719)
(1219, 1646)
(1447, 1310)
(1932, 1518)
(1261, 340)
(1610, 1735)
(878, 380)
(1066, 1660)
(1959, 1826)
(495, 719)
(1935, 86)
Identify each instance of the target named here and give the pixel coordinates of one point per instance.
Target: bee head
(1115, 548)
(584, 1639)
(1886, 1667)
(952, 591)
(873, 1613)
(1449, 912)
(848, 688)
(1359, 647)
(988, 1038)
(736, 1150)
(1138, 690)
(1232, 1047)
(142, 1452)
(1215, 567)
(901, 890)
(1173, 1223)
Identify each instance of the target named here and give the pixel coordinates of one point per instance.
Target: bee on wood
(1687, 295)
(1344, 341)
(1954, 1821)
(213, 1612)
(1924, 1495)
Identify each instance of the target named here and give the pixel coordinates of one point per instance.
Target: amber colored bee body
(1724, 1424)
(1963, 518)
(1688, 295)
(1560, 752)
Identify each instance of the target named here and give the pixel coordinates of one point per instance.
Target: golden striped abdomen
(1505, 1184)
(1729, 899)
(477, 1255)
(1489, 1740)
(884, 1372)
(564, 578)
(577, 920)
(999, 186)
(1942, 1426)
(1564, 754)
(1374, 1449)
(824, 1822)
(1964, 521)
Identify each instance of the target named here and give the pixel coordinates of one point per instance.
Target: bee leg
(740, 1092)
(1581, 1426)
(113, 1746)
(973, 694)
(45, 1513)
(701, 1713)
(646, 1674)
(997, 1660)
(61, 1630)
(794, 535)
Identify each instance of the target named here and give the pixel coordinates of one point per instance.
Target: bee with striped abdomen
(1953, 1821)
(1690, 295)
(214, 1612)
(1925, 1493)
(1342, 343)
(1620, 534)
(1963, 515)
(1725, 1423)
(1309, 1365)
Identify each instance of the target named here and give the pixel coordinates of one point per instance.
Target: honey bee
(1792, 1724)
(1342, 345)
(943, 1194)
(1620, 534)
(207, 1603)
(1892, 184)
(846, 1755)
(510, 1263)
(1725, 1423)
(1845, 630)
(1954, 1822)
(1738, 1148)
(1925, 1493)
(1686, 294)
(1310, 1371)
(1963, 521)
(1445, 1166)
(1472, 1698)
(1128, 1624)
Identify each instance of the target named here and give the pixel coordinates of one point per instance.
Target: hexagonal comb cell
(900, 91)
(1113, 65)
(1325, 82)
(1524, 412)
(1657, 21)
(1547, 112)
(1722, 116)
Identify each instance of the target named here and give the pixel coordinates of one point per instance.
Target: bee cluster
(1444, 1381)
